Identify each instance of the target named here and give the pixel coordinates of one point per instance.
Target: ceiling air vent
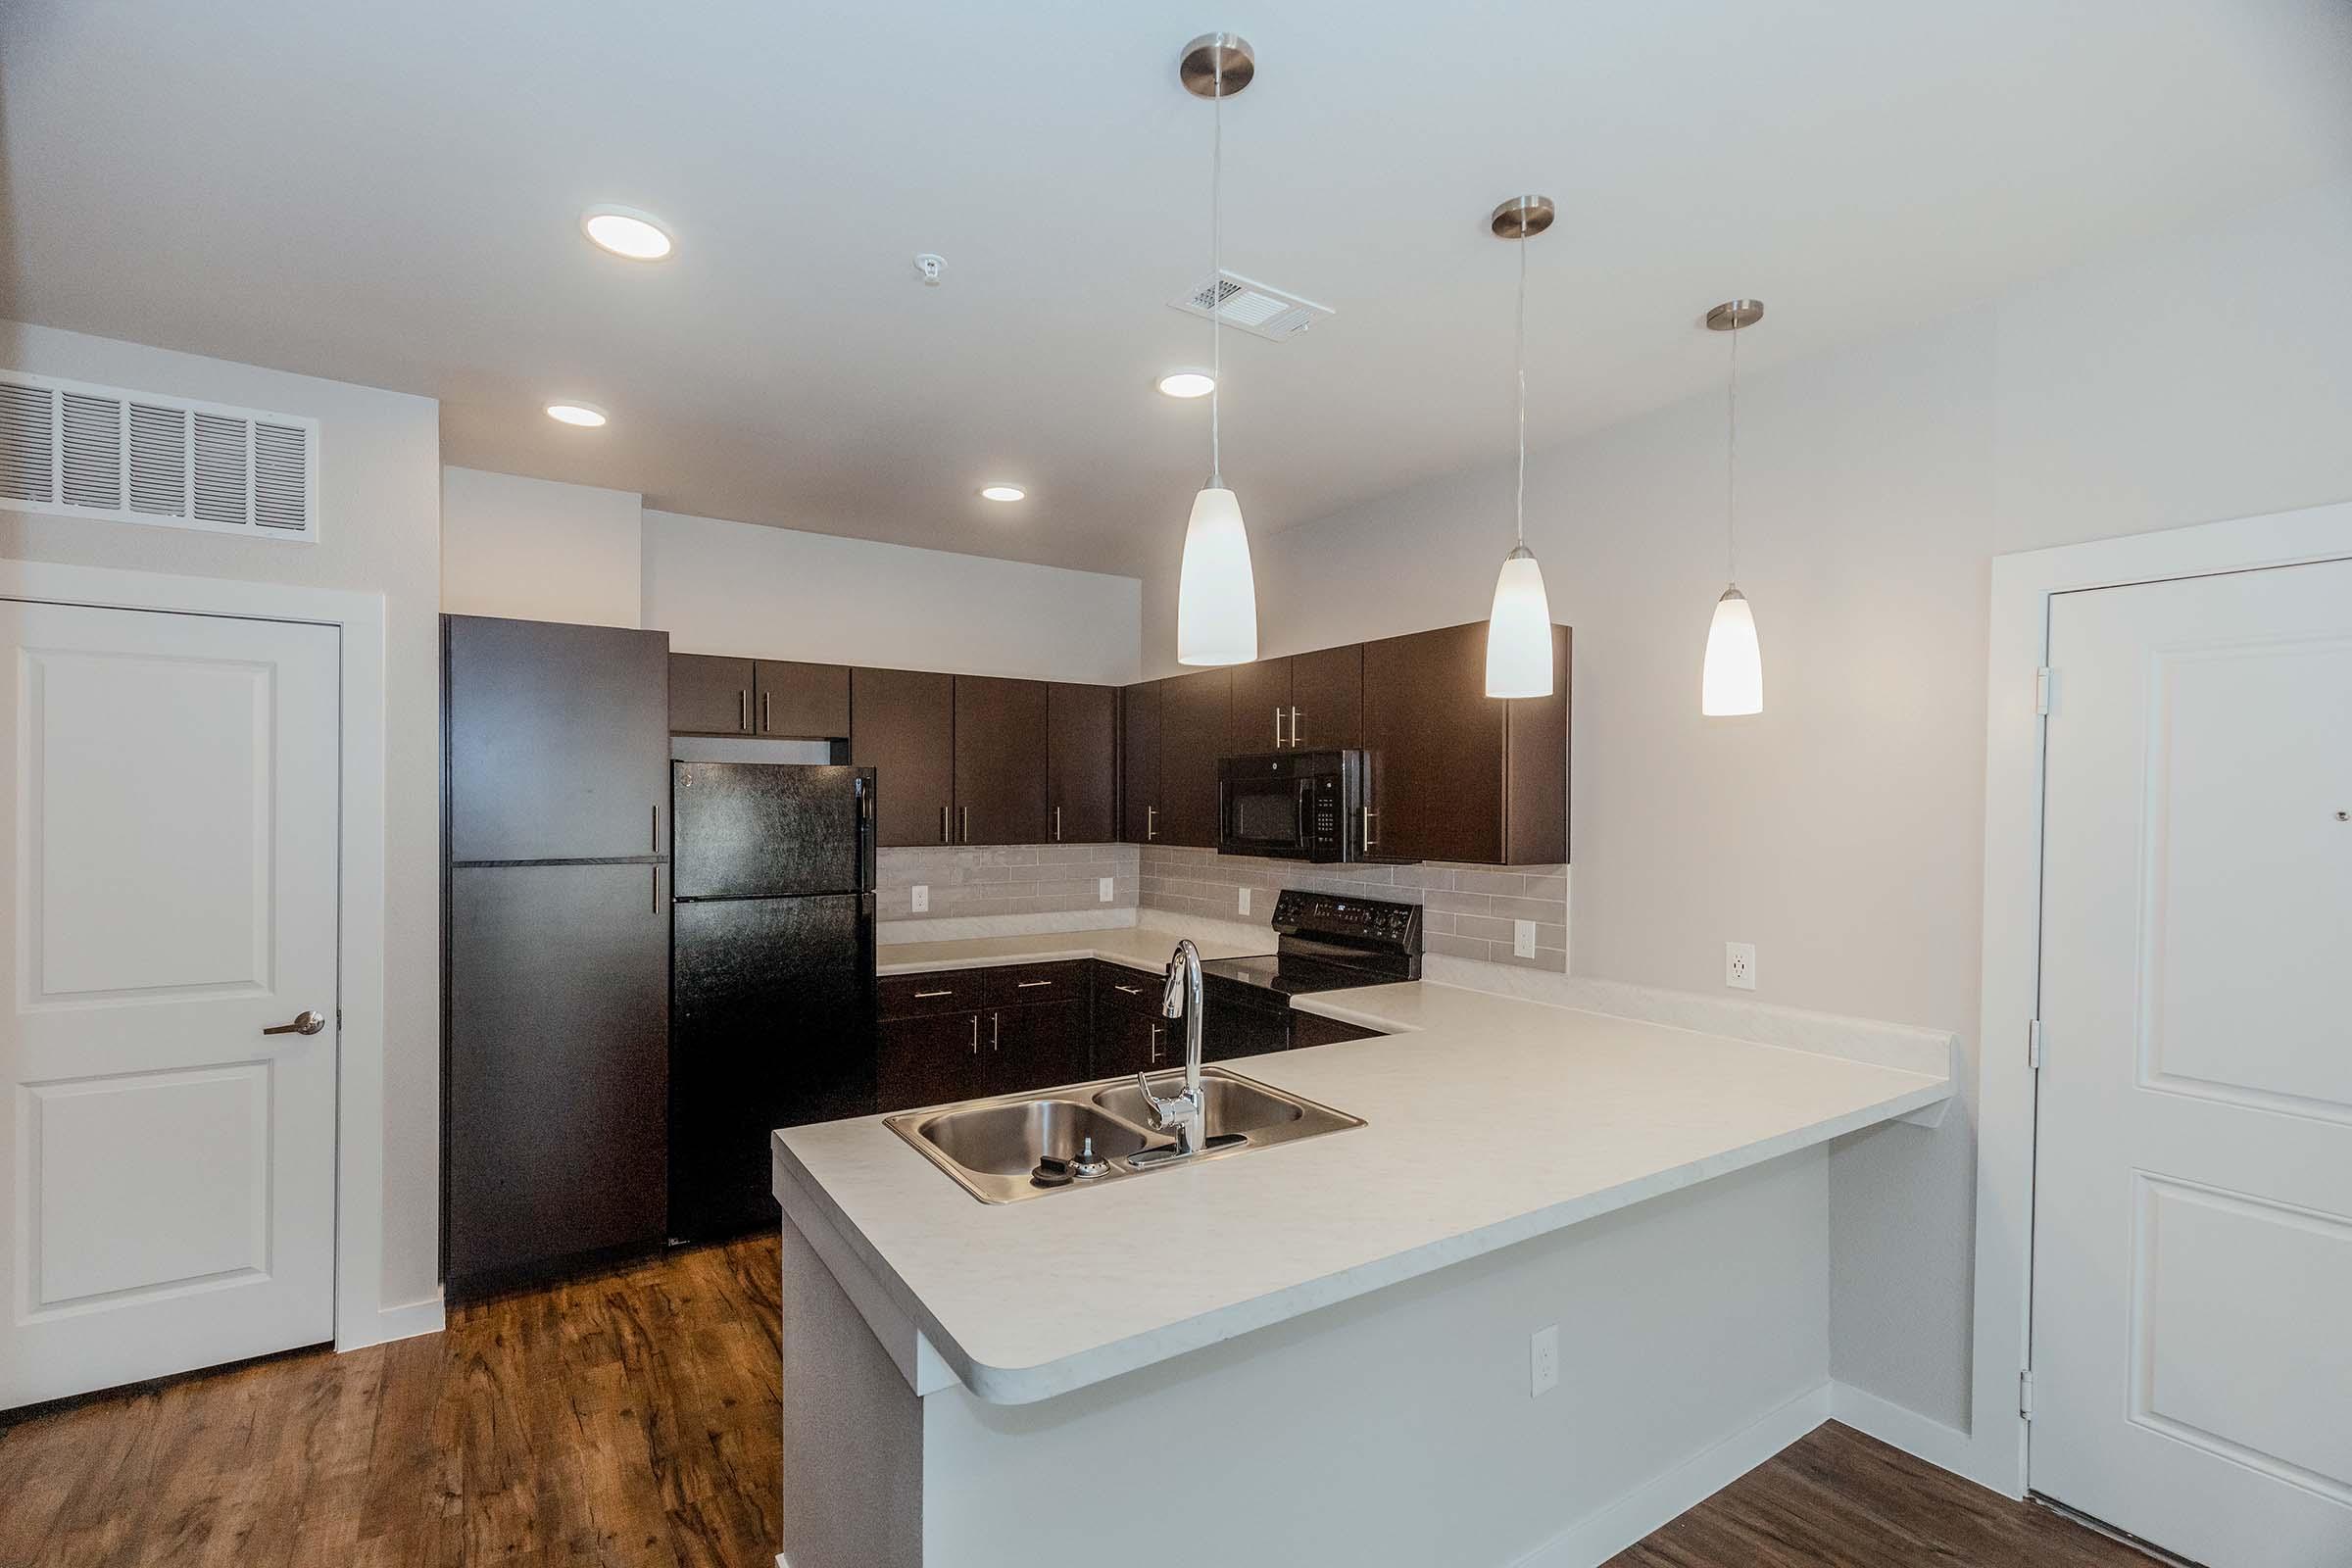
(126, 457)
(1254, 308)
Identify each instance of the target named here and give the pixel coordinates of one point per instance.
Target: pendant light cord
(1216, 273)
(1730, 465)
(1519, 334)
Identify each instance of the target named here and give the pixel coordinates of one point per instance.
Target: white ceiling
(389, 195)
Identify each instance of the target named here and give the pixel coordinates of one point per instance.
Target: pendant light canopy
(1731, 681)
(1519, 627)
(1216, 594)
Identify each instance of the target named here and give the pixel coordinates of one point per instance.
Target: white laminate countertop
(1490, 1120)
(1136, 946)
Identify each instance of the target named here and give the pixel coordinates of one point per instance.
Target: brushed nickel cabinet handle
(1151, 822)
(967, 824)
(1295, 740)
(1031, 985)
(943, 825)
(1130, 991)
(1369, 840)
(1278, 729)
(996, 1031)
(1155, 1028)
(1057, 824)
(975, 1034)
(926, 996)
(743, 712)
(307, 1022)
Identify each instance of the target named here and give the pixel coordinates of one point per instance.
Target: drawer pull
(1031, 985)
(1132, 991)
(926, 996)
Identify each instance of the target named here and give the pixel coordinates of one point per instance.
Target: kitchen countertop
(1136, 946)
(1490, 1120)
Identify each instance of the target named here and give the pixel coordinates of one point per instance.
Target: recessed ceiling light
(586, 415)
(1003, 492)
(1188, 383)
(625, 231)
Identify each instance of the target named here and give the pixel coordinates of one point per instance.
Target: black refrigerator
(772, 991)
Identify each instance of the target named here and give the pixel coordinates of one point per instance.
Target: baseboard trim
(1597, 1536)
(1921, 1437)
(404, 1322)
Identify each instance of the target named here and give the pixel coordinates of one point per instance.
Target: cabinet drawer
(917, 995)
(1020, 984)
(1125, 990)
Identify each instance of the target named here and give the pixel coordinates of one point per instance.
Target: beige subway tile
(1551, 909)
(1452, 947)
(1456, 903)
(1511, 882)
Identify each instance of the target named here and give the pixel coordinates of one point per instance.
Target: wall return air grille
(125, 456)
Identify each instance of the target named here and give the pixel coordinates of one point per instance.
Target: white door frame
(360, 898)
(2022, 585)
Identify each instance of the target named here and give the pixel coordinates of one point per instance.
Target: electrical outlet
(1102, 889)
(1245, 900)
(922, 897)
(1523, 939)
(1739, 965)
(1544, 1361)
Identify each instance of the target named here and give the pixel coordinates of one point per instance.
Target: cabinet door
(999, 761)
(556, 740)
(710, 695)
(557, 1064)
(1127, 1041)
(1535, 807)
(1327, 693)
(928, 1061)
(1139, 763)
(1082, 763)
(1033, 1047)
(801, 699)
(1438, 772)
(1258, 708)
(902, 725)
(1192, 737)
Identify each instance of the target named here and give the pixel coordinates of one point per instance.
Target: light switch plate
(1739, 965)
(1244, 892)
(1523, 939)
(1102, 889)
(922, 897)
(1544, 1361)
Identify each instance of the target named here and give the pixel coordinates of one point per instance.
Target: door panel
(1139, 763)
(752, 829)
(166, 1170)
(1035, 1047)
(1438, 770)
(2193, 1200)
(902, 726)
(1082, 763)
(1258, 715)
(710, 696)
(557, 1064)
(1192, 735)
(929, 1062)
(558, 740)
(801, 699)
(1129, 1042)
(1327, 696)
(999, 761)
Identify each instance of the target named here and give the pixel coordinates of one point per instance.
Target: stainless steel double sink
(994, 1148)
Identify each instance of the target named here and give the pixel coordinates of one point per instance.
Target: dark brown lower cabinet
(969, 1056)
(557, 1067)
(1128, 1041)
(928, 1060)
(1035, 1047)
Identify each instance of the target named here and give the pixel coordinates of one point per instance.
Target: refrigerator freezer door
(772, 1025)
(766, 831)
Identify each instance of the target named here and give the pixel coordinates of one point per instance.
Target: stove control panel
(1367, 923)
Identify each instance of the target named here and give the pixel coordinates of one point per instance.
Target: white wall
(378, 532)
(2199, 376)
(737, 588)
(535, 550)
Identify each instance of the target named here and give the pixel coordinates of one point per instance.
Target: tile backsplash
(1467, 910)
(980, 881)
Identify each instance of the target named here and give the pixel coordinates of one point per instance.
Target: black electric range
(1324, 942)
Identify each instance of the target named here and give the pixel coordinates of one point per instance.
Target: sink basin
(1230, 1105)
(993, 1147)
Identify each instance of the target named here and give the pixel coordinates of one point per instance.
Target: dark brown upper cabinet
(902, 725)
(811, 700)
(710, 695)
(1458, 775)
(999, 772)
(556, 740)
(1195, 712)
(1327, 699)
(1139, 763)
(1082, 763)
(1257, 709)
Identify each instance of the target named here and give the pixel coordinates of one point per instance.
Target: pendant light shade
(1519, 631)
(1216, 594)
(1733, 682)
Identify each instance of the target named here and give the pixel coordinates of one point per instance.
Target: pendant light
(1732, 680)
(1519, 627)
(1216, 594)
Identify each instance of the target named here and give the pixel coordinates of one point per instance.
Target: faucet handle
(1159, 1107)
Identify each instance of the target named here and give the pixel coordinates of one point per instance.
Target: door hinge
(2033, 1045)
(2042, 679)
(2025, 1393)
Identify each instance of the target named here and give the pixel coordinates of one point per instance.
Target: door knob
(309, 1022)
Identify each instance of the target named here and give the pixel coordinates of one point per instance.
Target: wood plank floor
(629, 1420)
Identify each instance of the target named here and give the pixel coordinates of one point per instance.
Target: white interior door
(166, 1168)
(2193, 1245)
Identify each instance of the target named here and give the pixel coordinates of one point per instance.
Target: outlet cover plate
(1739, 965)
(1244, 893)
(1102, 889)
(1544, 1361)
(922, 897)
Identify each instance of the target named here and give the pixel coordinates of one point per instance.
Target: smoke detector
(1250, 306)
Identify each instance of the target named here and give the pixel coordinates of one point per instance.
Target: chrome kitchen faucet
(1185, 1114)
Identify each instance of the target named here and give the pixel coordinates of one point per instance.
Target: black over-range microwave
(1292, 806)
